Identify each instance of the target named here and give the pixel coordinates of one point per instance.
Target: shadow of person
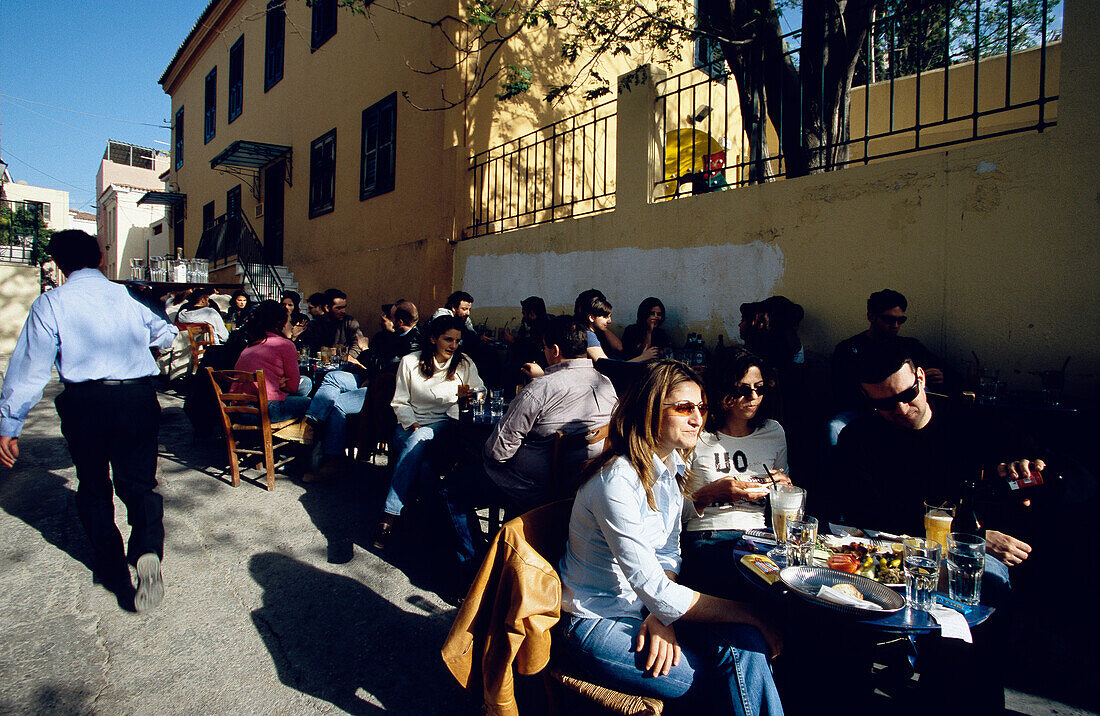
(44, 501)
(335, 639)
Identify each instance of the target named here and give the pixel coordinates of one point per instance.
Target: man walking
(100, 339)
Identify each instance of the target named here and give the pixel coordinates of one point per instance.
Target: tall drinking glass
(922, 570)
(787, 503)
(801, 538)
(965, 565)
(937, 522)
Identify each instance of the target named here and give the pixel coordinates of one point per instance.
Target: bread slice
(848, 589)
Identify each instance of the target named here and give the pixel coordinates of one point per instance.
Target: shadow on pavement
(333, 638)
(45, 502)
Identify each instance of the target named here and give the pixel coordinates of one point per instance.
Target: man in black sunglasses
(909, 450)
(885, 317)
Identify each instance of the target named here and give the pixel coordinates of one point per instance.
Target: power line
(86, 114)
(6, 153)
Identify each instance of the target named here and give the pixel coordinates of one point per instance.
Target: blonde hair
(635, 429)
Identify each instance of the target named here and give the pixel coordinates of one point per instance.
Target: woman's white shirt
(718, 455)
(428, 400)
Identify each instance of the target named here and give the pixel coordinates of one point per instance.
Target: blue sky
(96, 57)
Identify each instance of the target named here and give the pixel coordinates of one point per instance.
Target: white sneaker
(150, 588)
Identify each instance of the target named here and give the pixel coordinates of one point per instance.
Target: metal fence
(556, 172)
(22, 231)
(934, 74)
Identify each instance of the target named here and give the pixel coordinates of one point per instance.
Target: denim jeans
(414, 459)
(723, 667)
(338, 396)
(293, 406)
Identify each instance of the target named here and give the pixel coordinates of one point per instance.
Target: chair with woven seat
(505, 622)
(246, 414)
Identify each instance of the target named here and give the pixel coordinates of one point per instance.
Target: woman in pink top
(270, 350)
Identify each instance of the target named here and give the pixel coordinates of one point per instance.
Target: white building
(125, 229)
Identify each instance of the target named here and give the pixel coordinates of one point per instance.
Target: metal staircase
(231, 237)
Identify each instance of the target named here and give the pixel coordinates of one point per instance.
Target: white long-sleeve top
(428, 400)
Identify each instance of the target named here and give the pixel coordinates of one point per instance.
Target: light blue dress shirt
(619, 549)
(91, 329)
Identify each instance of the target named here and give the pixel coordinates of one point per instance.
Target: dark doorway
(273, 213)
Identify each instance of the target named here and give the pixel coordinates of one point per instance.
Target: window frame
(322, 169)
(177, 145)
(374, 117)
(210, 106)
(274, 47)
(236, 79)
(323, 27)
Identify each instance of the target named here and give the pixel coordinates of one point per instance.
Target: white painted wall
(698, 285)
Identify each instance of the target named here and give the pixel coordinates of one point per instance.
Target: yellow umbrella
(684, 152)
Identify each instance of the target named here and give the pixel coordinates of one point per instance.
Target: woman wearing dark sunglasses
(627, 623)
(728, 476)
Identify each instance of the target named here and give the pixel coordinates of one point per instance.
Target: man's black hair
(456, 298)
(881, 359)
(332, 294)
(884, 300)
(568, 335)
(403, 315)
(316, 299)
(591, 303)
(73, 250)
(535, 304)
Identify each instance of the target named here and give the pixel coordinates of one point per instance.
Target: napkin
(952, 624)
(831, 595)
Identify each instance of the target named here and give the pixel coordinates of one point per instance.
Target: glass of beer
(787, 503)
(965, 566)
(922, 571)
(937, 522)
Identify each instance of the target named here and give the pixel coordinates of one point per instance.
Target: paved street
(273, 604)
(257, 617)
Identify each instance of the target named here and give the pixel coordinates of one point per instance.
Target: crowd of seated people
(682, 476)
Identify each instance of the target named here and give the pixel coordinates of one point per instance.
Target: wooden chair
(377, 420)
(199, 336)
(247, 413)
(496, 592)
(566, 443)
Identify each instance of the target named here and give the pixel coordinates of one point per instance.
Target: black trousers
(113, 428)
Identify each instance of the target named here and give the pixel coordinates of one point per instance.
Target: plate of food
(880, 561)
(865, 597)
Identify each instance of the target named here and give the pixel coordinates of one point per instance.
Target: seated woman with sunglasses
(627, 623)
(728, 477)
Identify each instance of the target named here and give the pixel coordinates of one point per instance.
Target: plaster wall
(56, 198)
(993, 243)
(18, 289)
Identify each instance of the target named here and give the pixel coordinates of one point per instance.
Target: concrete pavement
(258, 617)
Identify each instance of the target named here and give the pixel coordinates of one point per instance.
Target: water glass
(496, 405)
(922, 571)
(801, 539)
(965, 566)
(787, 503)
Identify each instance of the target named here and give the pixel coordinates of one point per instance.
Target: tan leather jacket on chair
(514, 601)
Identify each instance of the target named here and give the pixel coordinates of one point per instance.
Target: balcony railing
(938, 74)
(22, 232)
(559, 171)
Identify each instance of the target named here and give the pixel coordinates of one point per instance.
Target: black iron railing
(23, 232)
(559, 171)
(231, 236)
(933, 74)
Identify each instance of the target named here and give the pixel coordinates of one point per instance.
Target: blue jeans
(293, 406)
(722, 666)
(414, 459)
(338, 397)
